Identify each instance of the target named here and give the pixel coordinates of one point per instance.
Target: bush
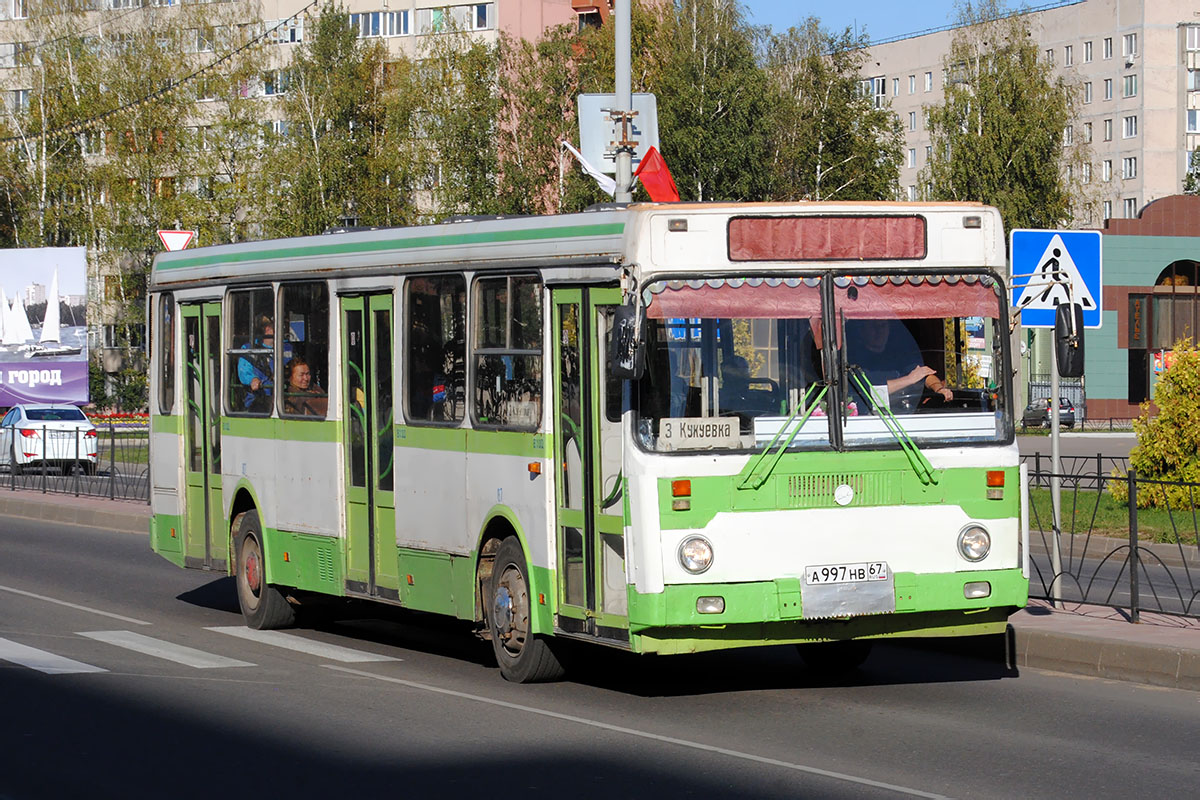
(1168, 447)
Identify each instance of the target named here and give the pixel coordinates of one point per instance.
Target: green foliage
(1168, 447)
(1191, 181)
(998, 135)
(828, 140)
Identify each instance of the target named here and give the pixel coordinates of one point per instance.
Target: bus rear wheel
(831, 659)
(263, 606)
(522, 656)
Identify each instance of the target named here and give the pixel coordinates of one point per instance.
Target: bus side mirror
(1068, 339)
(626, 349)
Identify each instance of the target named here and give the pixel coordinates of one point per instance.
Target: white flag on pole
(608, 184)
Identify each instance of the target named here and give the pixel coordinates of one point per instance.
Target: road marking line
(292, 642)
(75, 606)
(708, 748)
(157, 648)
(42, 661)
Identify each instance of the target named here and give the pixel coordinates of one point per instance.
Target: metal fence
(118, 470)
(1112, 553)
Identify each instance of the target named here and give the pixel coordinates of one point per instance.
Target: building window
(1193, 80)
(928, 153)
(285, 31)
(1129, 44)
(912, 120)
(1106, 171)
(1131, 208)
(895, 87)
(18, 100)
(1087, 92)
(1087, 132)
(1192, 37)
(1106, 209)
(879, 89)
(1129, 168)
(1193, 121)
(1050, 56)
(1129, 86)
(912, 193)
(1087, 52)
(379, 24)
(20, 9)
(1108, 88)
(1108, 130)
(507, 344)
(1129, 128)
(1107, 54)
(436, 378)
(1086, 173)
(275, 82)
(929, 81)
(1069, 135)
(912, 157)
(912, 84)
(1068, 56)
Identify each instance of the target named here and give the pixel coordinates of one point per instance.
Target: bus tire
(831, 659)
(522, 656)
(263, 606)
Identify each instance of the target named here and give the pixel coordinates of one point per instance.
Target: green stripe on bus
(292, 430)
(445, 240)
(527, 444)
(160, 423)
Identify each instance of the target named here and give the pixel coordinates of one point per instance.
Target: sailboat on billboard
(49, 343)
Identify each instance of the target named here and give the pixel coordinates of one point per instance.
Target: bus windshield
(735, 364)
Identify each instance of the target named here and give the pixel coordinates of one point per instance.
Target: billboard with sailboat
(43, 329)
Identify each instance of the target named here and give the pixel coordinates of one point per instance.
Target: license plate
(846, 573)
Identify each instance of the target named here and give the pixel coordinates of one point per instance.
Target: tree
(1191, 181)
(712, 100)
(998, 137)
(828, 140)
(1168, 447)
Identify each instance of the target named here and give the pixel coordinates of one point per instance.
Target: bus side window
(166, 338)
(507, 340)
(435, 378)
(251, 351)
(304, 348)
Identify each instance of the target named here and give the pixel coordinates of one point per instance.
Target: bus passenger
(301, 395)
(255, 371)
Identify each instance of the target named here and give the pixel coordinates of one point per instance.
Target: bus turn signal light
(995, 477)
(681, 488)
(535, 468)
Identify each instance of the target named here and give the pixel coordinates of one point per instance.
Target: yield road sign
(176, 240)
(1050, 268)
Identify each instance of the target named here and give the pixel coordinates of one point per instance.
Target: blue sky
(882, 19)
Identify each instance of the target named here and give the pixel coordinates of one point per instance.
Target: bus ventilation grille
(325, 571)
(817, 491)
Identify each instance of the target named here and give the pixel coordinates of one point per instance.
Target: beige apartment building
(1137, 66)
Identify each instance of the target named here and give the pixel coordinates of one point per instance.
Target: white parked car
(61, 436)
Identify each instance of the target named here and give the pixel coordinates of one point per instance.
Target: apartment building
(1136, 64)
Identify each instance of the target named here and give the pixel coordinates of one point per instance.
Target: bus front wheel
(522, 656)
(263, 606)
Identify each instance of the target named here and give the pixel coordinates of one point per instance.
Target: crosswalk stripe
(300, 644)
(180, 654)
(42, 661)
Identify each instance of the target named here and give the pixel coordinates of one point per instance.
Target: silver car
(54, 436)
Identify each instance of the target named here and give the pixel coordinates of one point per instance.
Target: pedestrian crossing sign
(1050, 268)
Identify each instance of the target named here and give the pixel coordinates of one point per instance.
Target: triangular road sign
(1055, 281)
(176, 240)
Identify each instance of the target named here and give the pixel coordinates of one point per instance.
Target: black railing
(1112, 553)
(112, 462)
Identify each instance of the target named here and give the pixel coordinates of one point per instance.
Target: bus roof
(598, 241)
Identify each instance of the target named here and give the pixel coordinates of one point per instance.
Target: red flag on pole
(657, 179)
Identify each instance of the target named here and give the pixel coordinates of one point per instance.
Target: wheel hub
(502, 611)
(253, 573)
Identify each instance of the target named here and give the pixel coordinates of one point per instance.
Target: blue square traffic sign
(1054, 267)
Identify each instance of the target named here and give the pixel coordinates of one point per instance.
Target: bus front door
(206, 540)
(592, 594)
(371, 566)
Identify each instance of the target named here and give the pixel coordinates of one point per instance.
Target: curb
(1113, 659)
(92, 513)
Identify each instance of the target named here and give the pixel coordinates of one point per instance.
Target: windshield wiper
(916, 459)
(804, 403)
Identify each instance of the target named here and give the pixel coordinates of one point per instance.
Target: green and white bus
(667, 428)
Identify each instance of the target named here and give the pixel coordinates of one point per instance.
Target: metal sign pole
(624, 80)
(1055, 497)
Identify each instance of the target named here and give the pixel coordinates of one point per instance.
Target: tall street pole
(624, 92)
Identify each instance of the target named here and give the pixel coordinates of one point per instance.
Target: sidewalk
(1094, 641)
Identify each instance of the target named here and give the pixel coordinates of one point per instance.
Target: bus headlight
(974, 543)
(695, 554)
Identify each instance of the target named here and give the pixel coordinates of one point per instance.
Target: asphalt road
(1110, 445)
(436, 719)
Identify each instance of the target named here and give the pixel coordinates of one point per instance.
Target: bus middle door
(589, 503)
(206, 541)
